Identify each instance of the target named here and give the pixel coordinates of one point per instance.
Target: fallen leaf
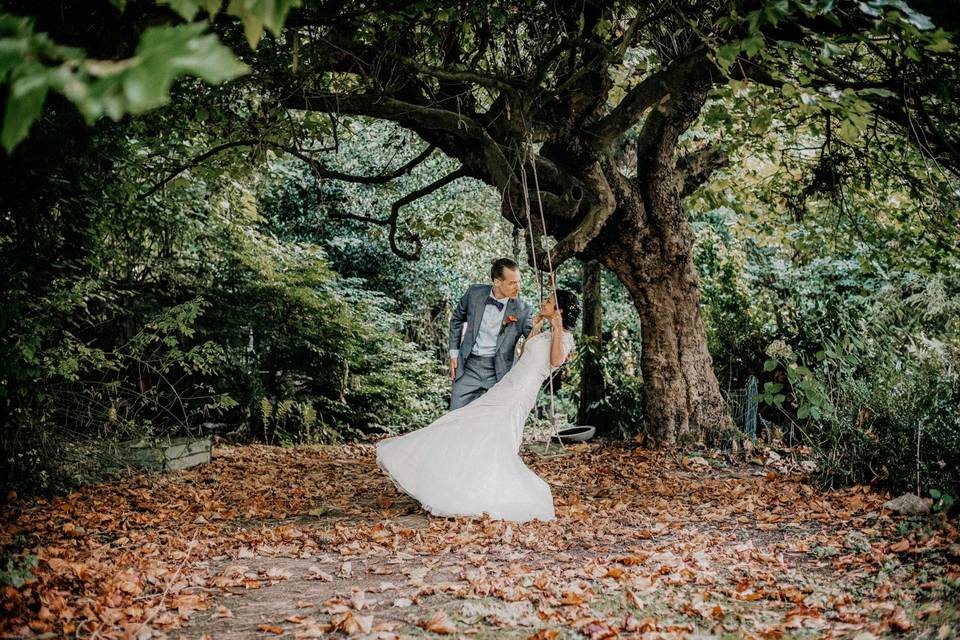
(439, 622)
(271, 629)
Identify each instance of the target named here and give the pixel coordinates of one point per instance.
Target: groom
(496, 318)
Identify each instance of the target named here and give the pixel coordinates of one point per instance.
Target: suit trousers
(479, 374)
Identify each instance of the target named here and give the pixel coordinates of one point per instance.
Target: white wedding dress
(467, 462)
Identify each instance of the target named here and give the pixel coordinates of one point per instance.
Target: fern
(266, 410)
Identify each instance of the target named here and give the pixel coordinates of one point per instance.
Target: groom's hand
(453, 368)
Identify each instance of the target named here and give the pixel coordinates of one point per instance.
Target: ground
(314, 540)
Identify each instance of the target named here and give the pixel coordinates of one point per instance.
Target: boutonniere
(507, 322)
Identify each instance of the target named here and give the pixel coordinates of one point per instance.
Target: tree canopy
(622, 120)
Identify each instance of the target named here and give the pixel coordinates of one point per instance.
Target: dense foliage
(183, 312)
(208, 259)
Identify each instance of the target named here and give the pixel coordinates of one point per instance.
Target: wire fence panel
(742, 404)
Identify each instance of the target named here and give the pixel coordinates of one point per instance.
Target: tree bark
(592, 386)
(654, 261)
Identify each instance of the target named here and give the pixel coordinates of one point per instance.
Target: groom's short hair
(496, 270)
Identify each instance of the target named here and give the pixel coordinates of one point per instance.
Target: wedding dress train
(467, 462)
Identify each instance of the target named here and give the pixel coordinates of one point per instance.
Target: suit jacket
(470, 310)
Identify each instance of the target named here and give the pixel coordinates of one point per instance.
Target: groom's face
(509, 285)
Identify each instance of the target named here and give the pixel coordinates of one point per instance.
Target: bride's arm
(537, 324)
(558, 350)
(557, 356)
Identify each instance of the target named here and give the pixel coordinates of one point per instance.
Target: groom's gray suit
(476, 373)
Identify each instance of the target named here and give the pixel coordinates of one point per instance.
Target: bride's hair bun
(569, 307)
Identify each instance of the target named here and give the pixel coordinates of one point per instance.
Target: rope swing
(525, 154)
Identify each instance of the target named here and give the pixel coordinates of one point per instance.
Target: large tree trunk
(651, 253)
(591, 375)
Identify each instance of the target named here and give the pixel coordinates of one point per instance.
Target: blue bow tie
(494, 301)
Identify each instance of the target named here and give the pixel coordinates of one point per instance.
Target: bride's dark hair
(569, 307)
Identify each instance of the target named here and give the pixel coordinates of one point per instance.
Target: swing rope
(526, 153)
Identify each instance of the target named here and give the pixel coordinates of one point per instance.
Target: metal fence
(743, 407)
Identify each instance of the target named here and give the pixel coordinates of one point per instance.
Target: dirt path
(311, 541)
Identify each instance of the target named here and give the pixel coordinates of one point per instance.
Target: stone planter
(165, 454)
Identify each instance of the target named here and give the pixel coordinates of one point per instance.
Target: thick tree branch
(323, 172)
(458, 135)
(483, 80)
(384, 106)
(601, 208)
(696, 168)
(317, 168)
(653, 89)
(392, 221)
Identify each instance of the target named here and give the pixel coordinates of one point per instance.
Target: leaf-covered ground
(311, 541)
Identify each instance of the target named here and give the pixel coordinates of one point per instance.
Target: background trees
(746, 173)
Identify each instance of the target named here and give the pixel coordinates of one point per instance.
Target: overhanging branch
(492, 82)
(696, 168)
(651, 90)
(209, 153)
(323, 172)
(392, 221)
(318, 169)
(379, 105)
(592, 224)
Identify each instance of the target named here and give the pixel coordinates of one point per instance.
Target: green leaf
(776, 10)
(874, 8)
(727, 54)
(165, 53)
(770, 365)
(255, 14)
(187, 9)
(24, 105)
(941, 43)
(762, 121)
(886, 93)
(752, 45)
(849, 132)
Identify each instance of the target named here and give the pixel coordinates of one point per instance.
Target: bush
(878, 403)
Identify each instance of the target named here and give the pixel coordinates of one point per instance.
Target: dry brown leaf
(901, 546)
(278, 573)
(439, 622)
(270, 629)
(350, 623)
(898, 620)
(615, 572)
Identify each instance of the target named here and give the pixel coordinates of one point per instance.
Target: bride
(467, 462)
